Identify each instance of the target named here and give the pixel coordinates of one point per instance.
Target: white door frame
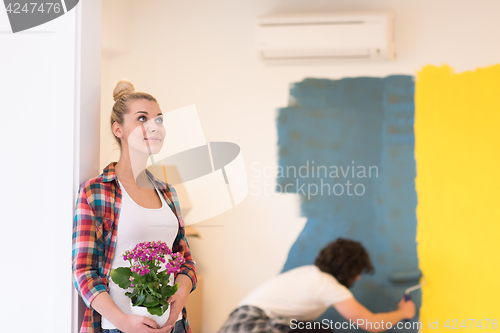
(87, 111)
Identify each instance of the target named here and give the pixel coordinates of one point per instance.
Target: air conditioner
(325, 36)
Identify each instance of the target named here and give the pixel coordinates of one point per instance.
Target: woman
(145, 208)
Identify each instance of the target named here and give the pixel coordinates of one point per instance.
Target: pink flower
(155, 252)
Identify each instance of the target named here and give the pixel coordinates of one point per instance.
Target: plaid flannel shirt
(94, 239)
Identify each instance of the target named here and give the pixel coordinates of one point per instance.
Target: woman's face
(142, 128)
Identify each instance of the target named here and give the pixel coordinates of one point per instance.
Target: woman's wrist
(107, 308)
(121, 321)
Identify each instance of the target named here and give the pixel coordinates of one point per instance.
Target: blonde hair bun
(123, 86)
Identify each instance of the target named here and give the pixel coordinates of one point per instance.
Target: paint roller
(404, 278)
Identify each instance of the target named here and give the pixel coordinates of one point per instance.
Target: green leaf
(151, 301)
(165, 308)
(157, 310)
(154, 291)
(152, 273)
(121, 276)
(164, 280)
(167, 291)
(140, 299)
(139, 278)
(163, 301)
(132, 294)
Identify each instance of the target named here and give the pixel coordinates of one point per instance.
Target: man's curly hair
(345, 259)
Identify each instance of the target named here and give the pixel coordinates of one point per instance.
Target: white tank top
(139, 224)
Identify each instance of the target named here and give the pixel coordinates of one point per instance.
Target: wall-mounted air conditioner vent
(325, 36)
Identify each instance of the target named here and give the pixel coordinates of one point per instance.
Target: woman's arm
(188, 269)
(352, 310)
(181, 244)
(178, 300)
(187, 275)
(85, 255)
(186, 278)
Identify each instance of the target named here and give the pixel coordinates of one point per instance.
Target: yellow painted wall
(457, 149)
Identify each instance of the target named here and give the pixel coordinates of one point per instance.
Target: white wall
(37, 94)
(202, 52)
(42, 91)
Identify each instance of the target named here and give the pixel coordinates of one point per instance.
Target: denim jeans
(178, 328)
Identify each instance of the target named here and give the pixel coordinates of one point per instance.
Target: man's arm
(352, 310)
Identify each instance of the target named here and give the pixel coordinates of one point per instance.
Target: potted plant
(148, 277)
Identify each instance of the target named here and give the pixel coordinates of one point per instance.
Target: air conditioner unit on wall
(325, 36)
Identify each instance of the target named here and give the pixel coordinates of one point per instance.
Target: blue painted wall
(363, 123)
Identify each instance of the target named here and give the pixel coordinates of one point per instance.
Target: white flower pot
(142, 311)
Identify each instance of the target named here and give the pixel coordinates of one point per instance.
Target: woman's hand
(178, 300)
(141, 324)
(177, 303)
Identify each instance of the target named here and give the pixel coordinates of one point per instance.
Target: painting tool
(406, 278)
(415, 287)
